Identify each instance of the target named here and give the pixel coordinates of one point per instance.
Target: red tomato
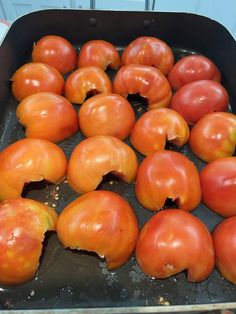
(214, 136)
(224, 237)
(39, 111)
(155, 127)
(95, 157)
(101, 222)
(218, 181)
(55, 51)
(86, 80)
(168, 174)
(146, 81)
(196, 99)
(36, 77)
(23, 223)
(106, 114)
(29, 160)
(172, 241)
(193, 68)
(149, 51)
(98, 53)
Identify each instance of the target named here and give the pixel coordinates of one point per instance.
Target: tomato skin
(149, 51)
(193, 68)
(214, 136)
(167, 174)
(218, 182)
(39, 111)
(106, 114)
(84, 80)
(157, 126)
(36, 77)
(95, 157)
(102, 222)
(23, 223)
(29, 160)
(145, 80)
(196, 99)
(172, 241)
(98, 53)
(55, 51)
(224, 237)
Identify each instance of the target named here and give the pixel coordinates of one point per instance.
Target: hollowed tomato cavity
(139, 103)
(170, 203)
(41, 188)
(91, 93)
(109, 178)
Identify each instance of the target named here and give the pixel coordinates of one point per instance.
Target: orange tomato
(168, 174)
(101, 222)
(29, 160)
(106, 114)
(149, 51)
(36, 77)
(157, 126)
(172, 241)
(98, 53)
(55, 51)
(23, 223)
(214, 136)
(48, 116)
(86, 80)
(95, 157)
(146, 81)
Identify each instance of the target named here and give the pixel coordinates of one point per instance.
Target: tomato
(214, 136)
(193, 68)
(23, 223)
(172, 241)
(149, 51)
(29, 160)
(218, 182)
(55, 51)
(224, 237)
(196, 99)
(98, 53)
(106, 114)
(155, 127)
(86, 80)
(95, 157)
(146, 81)
(39, 111)
(36, 77)
(101, 222)
(168, 175)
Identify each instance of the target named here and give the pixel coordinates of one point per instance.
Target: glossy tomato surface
(218, 182)
(214, 136)
(149, 51)
(55, 51)
(224, 237)
(157, 126)
(23, 223)
(101, 222)
(196, 99)
(106, 114)
(86, 80)
(48, 116)
(29, 160)
(168, 175)
(193, 68)
(146, 81)
(173, 241)
(36, 77)
(98, 53)
(97, 156)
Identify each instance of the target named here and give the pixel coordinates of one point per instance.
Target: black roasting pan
(75, 282)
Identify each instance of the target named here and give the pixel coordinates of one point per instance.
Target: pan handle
(149, 5)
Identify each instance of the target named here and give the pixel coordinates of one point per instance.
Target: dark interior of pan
(72, 279)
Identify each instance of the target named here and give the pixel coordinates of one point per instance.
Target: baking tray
(78, 282)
